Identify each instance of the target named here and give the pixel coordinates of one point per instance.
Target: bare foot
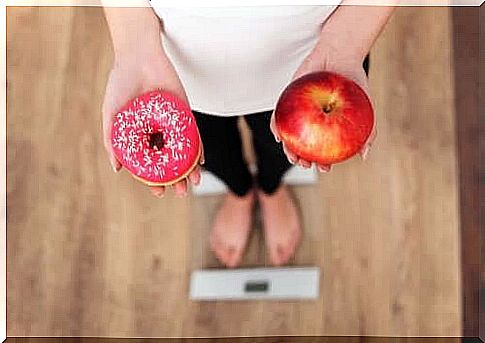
(282, 226)
(231, 228)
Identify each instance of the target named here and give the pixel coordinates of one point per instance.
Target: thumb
(113, 161)
(107, 127)
(274, 130)
(115, 164)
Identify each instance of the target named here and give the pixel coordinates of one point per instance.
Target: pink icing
(133, 140)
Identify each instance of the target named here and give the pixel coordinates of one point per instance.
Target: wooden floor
(93, 253)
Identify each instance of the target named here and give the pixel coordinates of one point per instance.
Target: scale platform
(301, 283)
(296, 176)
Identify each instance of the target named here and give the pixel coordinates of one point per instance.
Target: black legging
(224, 156)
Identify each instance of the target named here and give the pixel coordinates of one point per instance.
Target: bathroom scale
(292, 283)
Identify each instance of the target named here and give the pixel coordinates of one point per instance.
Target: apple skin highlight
(324, 118)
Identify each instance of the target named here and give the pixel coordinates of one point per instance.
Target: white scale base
(255, 284)
(211, 185)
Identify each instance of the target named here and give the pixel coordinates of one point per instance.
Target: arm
(351, 31)
(134, 31)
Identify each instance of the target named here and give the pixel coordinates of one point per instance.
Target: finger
(372, 136)
(202, 156)
(115, 164)
(158, 191)
(364, 152)
(180, 188)
(304, 164)
(291, 156)
(107, 124)
(272, 127)
(324, 168)
(194, 176)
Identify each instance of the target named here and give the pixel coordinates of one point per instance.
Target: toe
(288, 253)
(218, 249)
(232, 257)
(228, 256)
(274, 255)
(284, 254)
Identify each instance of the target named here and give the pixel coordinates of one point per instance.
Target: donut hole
(155, 140)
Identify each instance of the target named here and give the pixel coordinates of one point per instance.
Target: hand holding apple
(327, 100)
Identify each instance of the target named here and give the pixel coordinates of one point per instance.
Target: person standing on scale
(231, 62)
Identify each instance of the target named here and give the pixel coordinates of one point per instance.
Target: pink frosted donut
(155, 137)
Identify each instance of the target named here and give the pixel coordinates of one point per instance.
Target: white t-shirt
(238, 60)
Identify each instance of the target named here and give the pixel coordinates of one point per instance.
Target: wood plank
(466, 54)
(481, 196)
(90, 253)
(33, 88)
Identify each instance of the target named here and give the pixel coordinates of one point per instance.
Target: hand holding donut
(128, 79)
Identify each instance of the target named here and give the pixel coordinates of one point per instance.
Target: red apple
(324, 118)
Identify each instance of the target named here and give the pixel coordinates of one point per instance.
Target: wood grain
(93, 253)
(481, 164)
(466, 60)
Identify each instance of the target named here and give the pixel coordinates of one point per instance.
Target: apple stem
(328, 107)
